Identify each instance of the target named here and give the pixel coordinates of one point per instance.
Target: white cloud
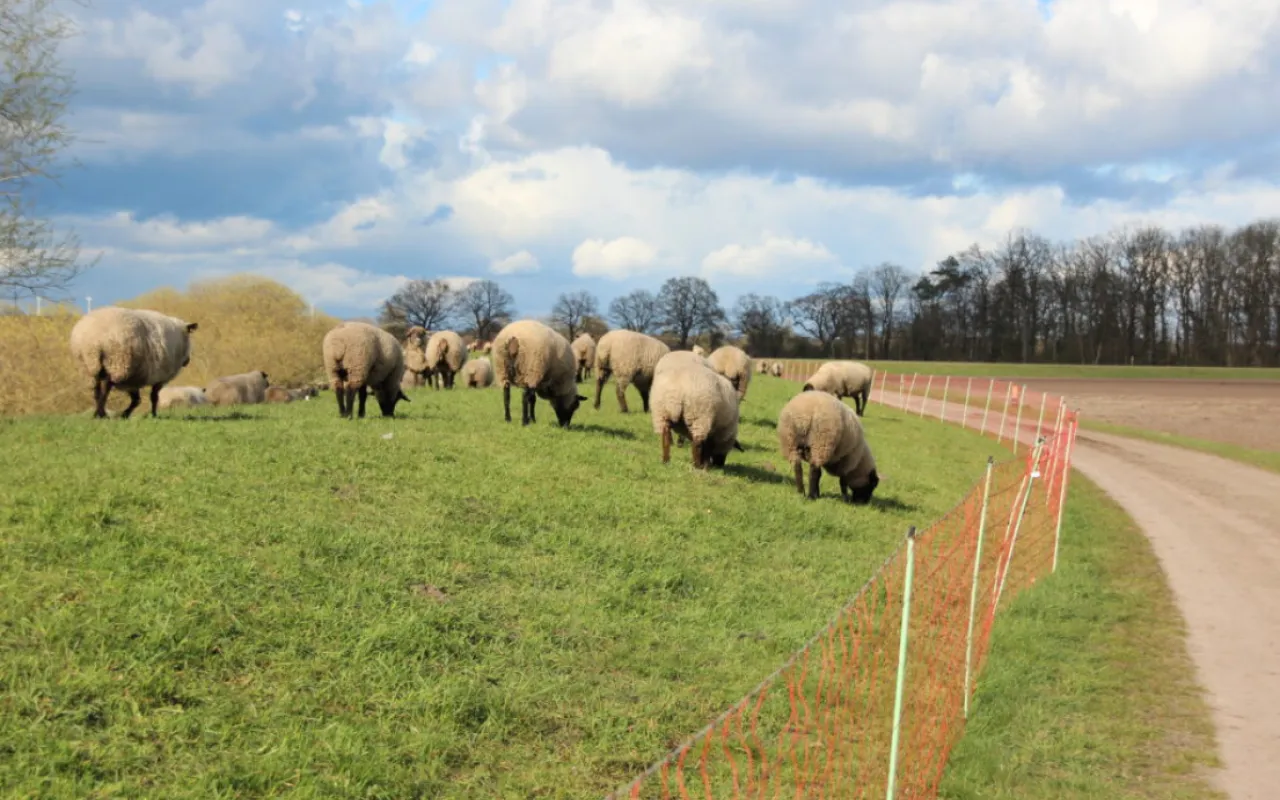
(772, 256)
(620, 258)
(523, 261)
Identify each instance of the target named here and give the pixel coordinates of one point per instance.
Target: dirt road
(1215, 526)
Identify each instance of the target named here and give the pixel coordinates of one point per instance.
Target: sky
(553, 145)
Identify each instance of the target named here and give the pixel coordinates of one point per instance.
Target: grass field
(985, 370)
(1089, 691)
(1266, 459)
(270, 600)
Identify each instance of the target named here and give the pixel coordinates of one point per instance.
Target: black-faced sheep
(535, 358)
(630, 358)
(477, 373)
(699, 404)
(417, 372)
(126, 349)
(733, 363)
(762, 367)
(817, 428)
(584, 352)
(843, 379)
(360, 357)
(245, 388)
(775, 369)
(446, 353)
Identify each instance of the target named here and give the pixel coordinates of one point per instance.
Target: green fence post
(973, 592)
(902, 665)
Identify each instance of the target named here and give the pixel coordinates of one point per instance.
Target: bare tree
(888, 283)
(817, 314)
(486, 306)
(419, 302)
(637, 311)
(762, 320)
(689, 306)
(572, 309)
(34, 91)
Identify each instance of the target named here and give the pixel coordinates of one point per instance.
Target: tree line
(1204, 296)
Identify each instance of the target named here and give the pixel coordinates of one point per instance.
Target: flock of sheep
(691, 394)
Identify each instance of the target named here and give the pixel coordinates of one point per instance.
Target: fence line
(871, 706)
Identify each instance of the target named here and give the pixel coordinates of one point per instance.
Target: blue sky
(766, 145)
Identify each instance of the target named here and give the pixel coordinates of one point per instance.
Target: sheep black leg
(340, 392)
(666, 445)
(600, 379)
(155, 398)
(530, 398)
(698, 462)
(799, 478)
(815, 475)
(622, 397)
(644, 396)
(364, 395)
(506, 403)
(845, 494)
(101, 389)
(135, 398)
(351, 401)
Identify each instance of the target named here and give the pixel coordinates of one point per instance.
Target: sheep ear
(404, 397)
(738, 447)
(582, 399)
(191, 326)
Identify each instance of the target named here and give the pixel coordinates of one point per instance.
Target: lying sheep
(446, 354)
(281, 394)
(360, 357)
(630, 358)
(534, 357)
(775, 369)
(733, 363)
(417, 372)
(477, 374)
(817, 428)
(180, 396)
(126, 348)
(245, 388)
(584, 351)
(843, 379)
(698, 404)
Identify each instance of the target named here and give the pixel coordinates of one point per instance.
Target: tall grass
(246, 323)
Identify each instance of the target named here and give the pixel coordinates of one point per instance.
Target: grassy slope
(239, 605)
(1046, 371)
(1266, 459)
(1089, 691)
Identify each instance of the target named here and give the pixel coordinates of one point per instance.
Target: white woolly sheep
(477, 373)
(180, 396)
(360, 357)
(245, 388)
(629, 357)
(584, 351)
(446, 353)
(844, 379)
(417, 372)
(817, 428)
(733, 363)
(775, 369)
(762, 367)
(126, 348)
(680, 359)
(699, 351)
(539, 360)
(698, 404)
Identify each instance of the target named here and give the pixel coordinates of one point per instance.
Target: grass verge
(1088, 691)
(1265, 459)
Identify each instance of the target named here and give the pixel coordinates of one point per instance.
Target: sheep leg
(643, 388)
(622, 397)
(600, 379)
(135, 398)
(364, 395)
(666, 444)
(101, 388)
(698, 462)
(351, 401)
(815, 475)
(506, 402)
(578, 378)
(340, 392)
(844, 490)
(155, 398)
(530, 398)
(799, 478)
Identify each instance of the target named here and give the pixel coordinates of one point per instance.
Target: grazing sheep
(680, 359)
(698, 404)
(534, 357)
(762, 367)
(775, 369)
(477, 374)
(360, 357)
(446, 354)
(630, 358)
(733, 363)
(817, 428)
(245, 388)
(488, 346)
(584, 351)
(126, 348)
(417, 372)
(843, 379)
(180, 396)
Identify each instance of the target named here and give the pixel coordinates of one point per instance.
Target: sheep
(244, 388)
(584, 351)
(698, 351)
(126, 348)
(477, 373)
(680, 359)
(762, 367)
(446, 354)
(698, 404)
(630, 357)
(733, 363)
(775, 369)
(844, 379)
(360, 357)
(539, 360)
(816, 427)
(281, 394)
(417, 372)
(179, 396)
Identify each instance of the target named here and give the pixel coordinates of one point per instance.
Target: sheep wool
(182, 396)
(537, 359)
(243, 389)
(733, 363)
(762, 367)
(360, 358)
(679, 359)
(698, 350)
(775, 369)
(584, 351)
(844, 379)
(817, 428)
(477, 373)
(416, 370)
(630, 357)
(127, 349)
(446, 353)
(279, 394)
(698, 404)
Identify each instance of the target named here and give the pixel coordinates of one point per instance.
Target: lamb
(698, 351)
(446, 353)
(417, 372)
(244, 388)
(179, 396)
(816, 427)
(534, 357)
(630, 357)
(360, 357)
(844, 379)
(698, 404)
(584, 350)
(733, 363)
(280, 394)
(477, 373)
(775, 369)
(125, 348)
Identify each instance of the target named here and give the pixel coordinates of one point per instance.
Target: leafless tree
(485, 306)
(572, 309)
(419, 302)
(689, 307)
(637, 311)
